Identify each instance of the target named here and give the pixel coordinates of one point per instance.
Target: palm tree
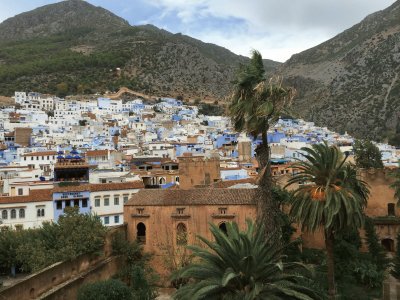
(256, 105)
(328, 195)
(242, 265)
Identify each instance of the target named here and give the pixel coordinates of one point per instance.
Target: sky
(276, 28)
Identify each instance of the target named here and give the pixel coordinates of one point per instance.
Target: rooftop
(173, 197)
(98, 187)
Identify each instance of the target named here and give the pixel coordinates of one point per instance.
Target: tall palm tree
(242, 265)
(256, 105)
(329, 195)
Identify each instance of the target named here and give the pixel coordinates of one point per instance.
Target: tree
(243, 265)
(376, 251)
(9, 242)
(367, 155)
(255, 106)
(111, 289)
(330, 195)
(396, 261)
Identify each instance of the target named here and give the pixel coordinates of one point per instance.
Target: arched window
(141, 233)
(162, 181)
(181, 234)
(22, 213)
(222, 227)
(177, 179)
(4, 214)
(13, 214)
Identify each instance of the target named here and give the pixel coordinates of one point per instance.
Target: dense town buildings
(97, 154)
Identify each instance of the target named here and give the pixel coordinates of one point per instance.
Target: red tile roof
(34, 196)
(173, 197)
(43, 153)
(97, 153)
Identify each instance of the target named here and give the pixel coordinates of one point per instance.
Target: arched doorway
(141, 233)
(388, 244)
(222, 227)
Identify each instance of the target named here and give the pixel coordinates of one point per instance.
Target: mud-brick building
(164, 220)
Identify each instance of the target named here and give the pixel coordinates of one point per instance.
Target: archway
(222, 227)
(141, 233)
(388, 244)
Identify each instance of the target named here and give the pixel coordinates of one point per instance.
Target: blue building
(71, 188)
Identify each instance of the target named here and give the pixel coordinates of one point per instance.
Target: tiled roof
(98, 187)
(172, 197)
(96, 153)
(229, 183)
(42, 153)
(34, 196)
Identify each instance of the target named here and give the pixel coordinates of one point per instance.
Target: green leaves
(328, 192)
(242, 265)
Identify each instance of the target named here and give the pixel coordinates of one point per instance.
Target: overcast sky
(277, 28)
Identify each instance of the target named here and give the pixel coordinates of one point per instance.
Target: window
(116, 219)
(84, 203)
(97, 202)
(181, 234)
(141, 233)
(76, 203)
(222, 210)
(4, 215)
(139, 211)
(20, 192)
(391, 209)
(116, 200)
(22, 213)
(223, 228)
(59, 205)
(106, 220)
(40, 212)
(13, 214)
(180, 210)
(67, 203)
(106, 201)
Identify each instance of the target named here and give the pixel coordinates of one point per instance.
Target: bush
(111, 289)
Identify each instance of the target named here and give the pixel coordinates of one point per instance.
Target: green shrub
(111, 289)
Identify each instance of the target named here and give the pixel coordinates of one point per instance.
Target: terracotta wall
(195, 171)
(161, 224)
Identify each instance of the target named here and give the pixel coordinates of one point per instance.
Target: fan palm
(242, 265)
(330, 195)
(256, 105)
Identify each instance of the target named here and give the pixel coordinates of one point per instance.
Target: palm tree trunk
(267, 210)
(329, 241)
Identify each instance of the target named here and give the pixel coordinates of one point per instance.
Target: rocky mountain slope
(74, 47)
(352, 81)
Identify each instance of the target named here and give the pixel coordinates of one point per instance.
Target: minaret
(244, 148)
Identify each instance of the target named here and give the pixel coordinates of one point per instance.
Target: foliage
(256, 103)
(111, 289)
(137, 272)
(34, 249)
(242, 265)
(396, 261)
(210, 109)
(329, 195)
(329, 192)
(376, 251)
(367, 155)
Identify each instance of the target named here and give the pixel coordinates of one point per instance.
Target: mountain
(352, 81)
(73, 47)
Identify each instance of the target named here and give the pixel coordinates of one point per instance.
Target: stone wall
(45, 280)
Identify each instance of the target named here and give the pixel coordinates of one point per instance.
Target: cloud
(277, 29)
